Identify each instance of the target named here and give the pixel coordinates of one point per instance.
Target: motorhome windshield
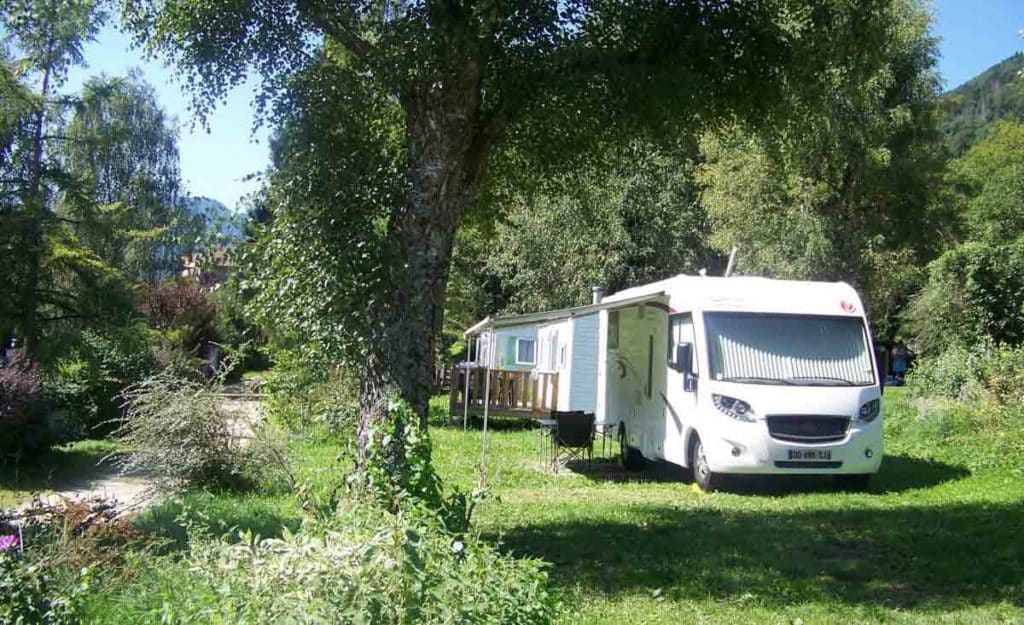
(805, 350)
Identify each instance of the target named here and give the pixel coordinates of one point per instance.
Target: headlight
(869, 411)
(735, 408)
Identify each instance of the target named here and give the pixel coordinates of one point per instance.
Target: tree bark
(447, 146)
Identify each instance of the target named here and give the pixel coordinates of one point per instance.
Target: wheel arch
(691, 443)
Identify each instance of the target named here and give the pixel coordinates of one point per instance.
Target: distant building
(210, 269)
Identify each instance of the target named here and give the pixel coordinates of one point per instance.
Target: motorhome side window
(613, 329)
(680, 331)
(525, 352)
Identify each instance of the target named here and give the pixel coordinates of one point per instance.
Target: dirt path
(134, 492)
(131, 493)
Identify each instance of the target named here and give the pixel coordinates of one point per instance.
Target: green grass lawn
(939, 538)
(931, 542)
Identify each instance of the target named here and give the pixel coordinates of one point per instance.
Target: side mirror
(684, 357)
(684, 364)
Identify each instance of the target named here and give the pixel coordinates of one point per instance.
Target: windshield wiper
(755, 380)
(823, 378)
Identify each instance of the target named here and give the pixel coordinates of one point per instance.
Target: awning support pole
(465, 399)
(487, 403)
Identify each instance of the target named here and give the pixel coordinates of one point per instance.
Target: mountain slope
(218, 220)
(993, 95)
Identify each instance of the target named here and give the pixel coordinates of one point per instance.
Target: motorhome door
(681, 388)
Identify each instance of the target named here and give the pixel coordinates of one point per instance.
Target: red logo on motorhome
(848, 306)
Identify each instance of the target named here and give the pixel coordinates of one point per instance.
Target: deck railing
(512, 393)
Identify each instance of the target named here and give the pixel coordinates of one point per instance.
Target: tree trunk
(36, 207)
(447, 147)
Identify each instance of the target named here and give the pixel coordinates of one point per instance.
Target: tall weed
(176, 431)
(965, 406)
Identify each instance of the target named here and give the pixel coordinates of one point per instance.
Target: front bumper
(739, 447)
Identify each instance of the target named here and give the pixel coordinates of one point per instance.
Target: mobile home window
(613, 329)
(526, 351)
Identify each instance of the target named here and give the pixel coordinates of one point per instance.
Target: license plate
(810, 454)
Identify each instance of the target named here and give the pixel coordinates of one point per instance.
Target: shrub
(176, 431)
(964, 406)
(87, 380)
(403, 562)
(398, 472)
(22, 406)
(74, 532)
(29, 597)
(366, 567)
(181, 306)
(975, 292)
(985, 373)
(184, 320)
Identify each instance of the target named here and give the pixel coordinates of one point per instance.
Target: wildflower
(457, 546)
(8, 542)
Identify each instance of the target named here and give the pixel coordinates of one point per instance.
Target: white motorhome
(735, 375)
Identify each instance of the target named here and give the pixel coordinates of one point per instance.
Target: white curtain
(788, 346)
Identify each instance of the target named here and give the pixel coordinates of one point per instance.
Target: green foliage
(122, 157)
(88, 376)
(839, 188)
(358, 567)
(633, 221)
(398, 474)
(769, 215)
(981, 374)
(246, 558)
(48, 36)
(29, 597)
(315, 273)
(988, 185)
(973, 108)
(842, 188)
(965, 405)
(974, 292)
(394, 118)
(307, 394)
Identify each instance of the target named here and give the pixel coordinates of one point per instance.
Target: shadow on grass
(903, 557)
(60, 468)
(218, 514)
(609, 470)
(497, 424)
(898, 473)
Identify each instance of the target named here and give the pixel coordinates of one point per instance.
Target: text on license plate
(810, 454)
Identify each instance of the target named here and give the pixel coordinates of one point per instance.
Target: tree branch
(331, 19)
(65, 318)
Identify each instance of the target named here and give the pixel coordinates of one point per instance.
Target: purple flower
(8, 542)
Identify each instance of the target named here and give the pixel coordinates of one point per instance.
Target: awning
(565, 313)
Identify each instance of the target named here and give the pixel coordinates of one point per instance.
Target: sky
(214, 163)
(974, 34)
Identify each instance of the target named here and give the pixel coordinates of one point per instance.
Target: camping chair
(574, 437)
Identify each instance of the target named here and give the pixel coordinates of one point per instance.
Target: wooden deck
(512, 393)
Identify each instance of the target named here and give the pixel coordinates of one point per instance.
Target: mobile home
(721, 375)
